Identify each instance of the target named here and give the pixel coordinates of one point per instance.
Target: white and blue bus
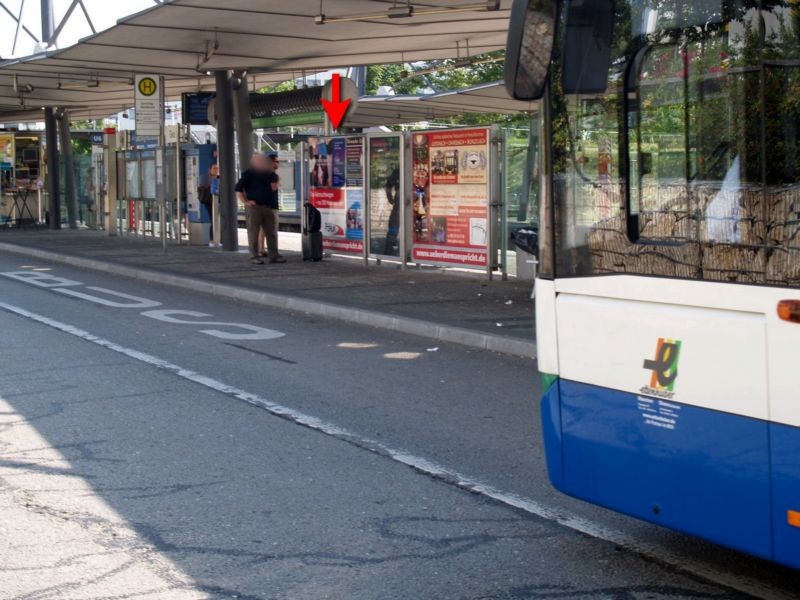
(668, 295)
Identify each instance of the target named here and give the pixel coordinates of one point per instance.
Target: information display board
(336, 189)
(451, 179)
(385, 195)
(195, 107)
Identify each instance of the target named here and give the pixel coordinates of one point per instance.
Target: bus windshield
(676, 152)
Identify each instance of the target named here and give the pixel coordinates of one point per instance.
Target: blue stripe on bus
(709, 476)
(785, 445)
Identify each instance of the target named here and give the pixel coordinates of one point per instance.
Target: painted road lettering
(42, 280)
(256, 333)
(217, 329)
(135, 301)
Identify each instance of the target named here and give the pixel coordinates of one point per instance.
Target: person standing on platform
(274, 164)
(258, 190)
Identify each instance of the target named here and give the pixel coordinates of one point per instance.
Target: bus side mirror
(529, 49)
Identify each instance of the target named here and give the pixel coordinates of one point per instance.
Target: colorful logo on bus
(664, 367)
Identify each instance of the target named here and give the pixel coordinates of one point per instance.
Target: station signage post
(149, 113)
(149, 107)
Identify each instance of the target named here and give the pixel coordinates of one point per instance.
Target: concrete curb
(370, 318)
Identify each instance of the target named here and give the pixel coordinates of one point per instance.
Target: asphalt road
(232, 451)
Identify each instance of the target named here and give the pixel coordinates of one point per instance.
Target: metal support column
(227, 164)
(359, 75)
(48, 22)
(111, 208)
(161, 171)
(179, 181)
(244, 124)
(495, 200)
(503, 174)
(53, 198)
(161, 199)
(70, 196)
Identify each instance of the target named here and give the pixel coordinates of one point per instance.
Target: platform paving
(450, 306)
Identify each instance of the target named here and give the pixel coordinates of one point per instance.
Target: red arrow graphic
(336, 108)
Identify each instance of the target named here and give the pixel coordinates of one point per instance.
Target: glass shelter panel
(385, 195)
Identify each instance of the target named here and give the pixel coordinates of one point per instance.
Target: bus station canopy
(273, 40)
(490, 98)
(302, 107)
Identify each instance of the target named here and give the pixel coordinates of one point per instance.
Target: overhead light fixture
(210, 50)
(22, 88)
(407, 11)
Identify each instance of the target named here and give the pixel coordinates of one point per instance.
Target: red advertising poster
(131, 215)
(334, 162)
(451, 196)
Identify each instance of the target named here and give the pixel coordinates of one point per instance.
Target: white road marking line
(658, 553)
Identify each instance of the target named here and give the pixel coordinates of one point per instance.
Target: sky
(104, 14)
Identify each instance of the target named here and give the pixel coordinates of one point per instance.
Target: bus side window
(587, 46)
(660, 145)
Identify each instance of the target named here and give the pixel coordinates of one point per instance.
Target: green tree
(394, 76)
(445, 75)
(84, 145)
(284, 86)
(485, 68)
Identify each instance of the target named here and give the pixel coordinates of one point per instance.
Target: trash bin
(199, 227)
(526, 241)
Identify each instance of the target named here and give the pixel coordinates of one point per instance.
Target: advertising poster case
(6, 150)
(6, 174)
(450, 175)
(7, 161)
(385, 198)
(336, 189)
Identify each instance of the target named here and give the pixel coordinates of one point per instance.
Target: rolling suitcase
(312, 234)
(312, 246)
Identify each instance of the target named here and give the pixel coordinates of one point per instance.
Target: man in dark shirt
(274, 164)
(258, 190)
